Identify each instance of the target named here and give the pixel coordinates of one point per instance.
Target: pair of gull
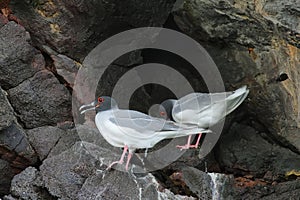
(187, 116)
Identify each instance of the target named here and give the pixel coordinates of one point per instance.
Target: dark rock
(9, 197)
(64, 174)
(28, 185)
(120, 185)
(110, 83)
(77, 173)
(66, 125)
(250, 46)
(41, 100)
(15, 154)
(6, 174)
(223, 20)
(66, 67)
(93, 136)
(253, 43)
(283, 13)
(6, 111)
(74, 28)
(67, 139)
(286, 190)
(114, 185)
(3, 20)
(44, 139)
(199, 182)
(195, 183)
(194, 158)
(15, 148)
(19, 60)
(222, 186)
(245, 151)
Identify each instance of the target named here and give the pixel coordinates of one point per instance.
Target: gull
(202, 109)
(132, 129)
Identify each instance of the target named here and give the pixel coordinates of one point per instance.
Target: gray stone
(67, 139)
(64, 174)
(6, 174)
(250, 42)
(199, 182)
(206, 185)
(73, 28)
(253, 43)
(6, 111)
(41, 100)
(77, 173)
(19, 60)
(284, 13)
(15, 148)
(245, 151)
(9, 197)
(44, 139)
(280, 191)
(222, 186)
(114, 185)
(3, 20)
(28, 185)
(120, 185)
(66, 67)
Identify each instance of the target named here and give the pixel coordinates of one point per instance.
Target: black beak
(87, 107)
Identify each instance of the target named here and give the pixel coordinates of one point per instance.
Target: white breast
(108, 130)
(120, 136)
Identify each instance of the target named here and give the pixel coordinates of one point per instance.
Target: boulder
(73, 28)
(15, 148)
(44, 139)
(253, 44)
(28, 185)
(66, 140)
(6, 174)
(248, 152)
(19, 60)
(208, 185)
(285, 190)
(64, 174)
(6, 111)
(79, 173)
(41, 100)
(15, 154)
(66, 67)
(199, 182)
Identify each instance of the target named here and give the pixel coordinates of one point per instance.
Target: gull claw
(187, 146)
(183, 147)
(112, 164)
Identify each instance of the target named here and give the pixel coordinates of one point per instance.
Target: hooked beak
(87, 107)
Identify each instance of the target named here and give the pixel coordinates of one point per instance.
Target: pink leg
(128, 160)
(187, 146)
(121, 161)
(197, 143)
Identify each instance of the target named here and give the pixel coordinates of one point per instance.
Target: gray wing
(199, 101)
(140, 122)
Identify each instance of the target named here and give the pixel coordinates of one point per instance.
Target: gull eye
(100, 100)
(162, 113)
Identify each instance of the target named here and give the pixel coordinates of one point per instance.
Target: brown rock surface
(249, 48)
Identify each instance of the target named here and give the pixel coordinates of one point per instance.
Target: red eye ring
(100, 100)
(162, 113)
